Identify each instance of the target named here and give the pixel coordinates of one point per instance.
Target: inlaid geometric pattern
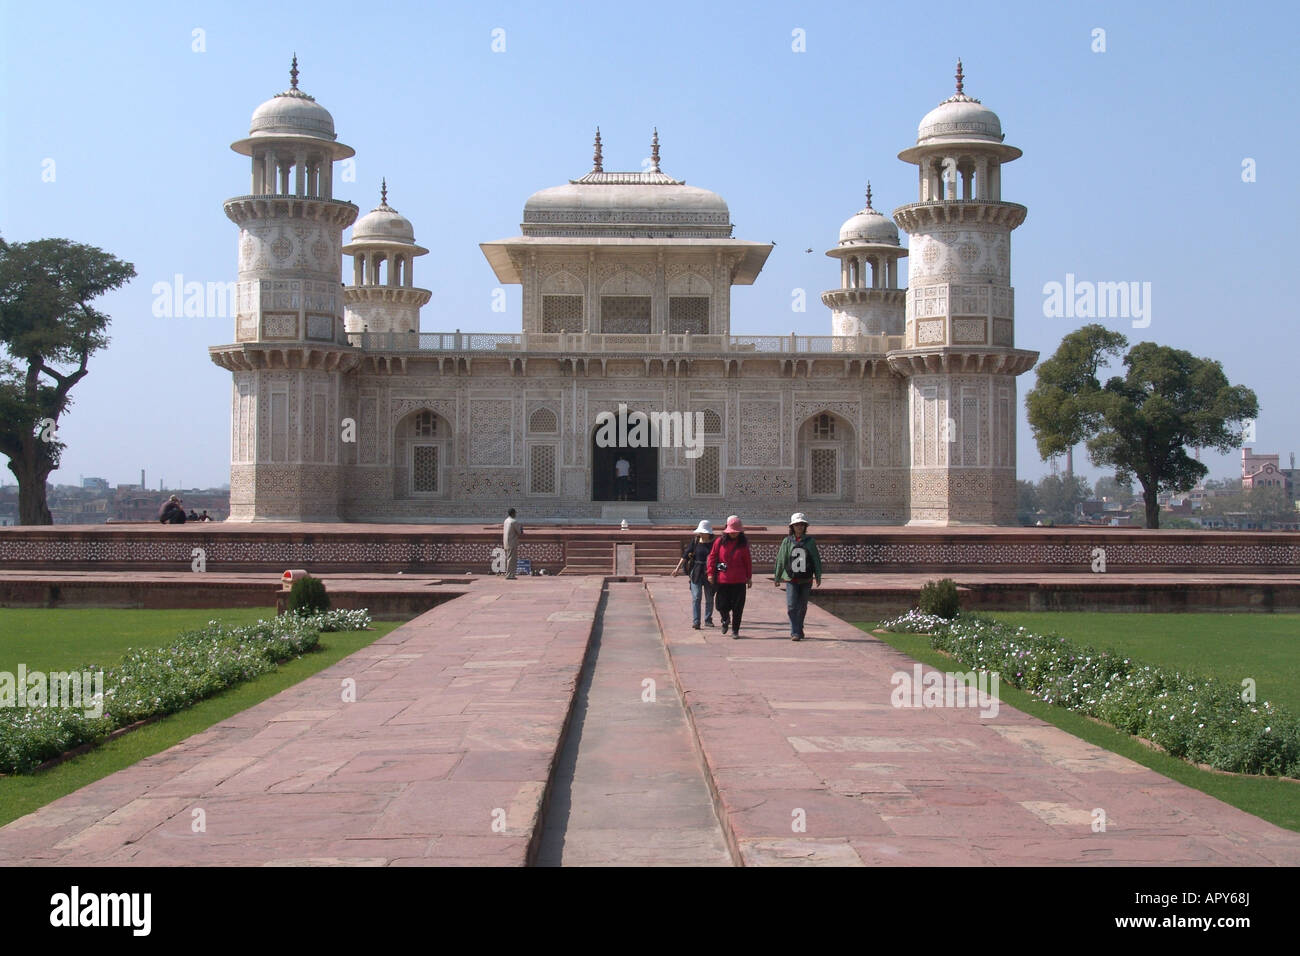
(280, 325)
(966, 331)
(760, 443)
(824, 471)
(541, 470)
(320, 328)
(543, 421)
(424, 469)
(708, 472)
(688, 313)
(489, 426)
(928, 333)
(562, 313)
(628, 314)
(34, 550)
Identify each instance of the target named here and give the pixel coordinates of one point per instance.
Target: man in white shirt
(511, 531)
(622, 475)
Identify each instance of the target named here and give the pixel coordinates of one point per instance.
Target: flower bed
(160, 681)
(1200, 719)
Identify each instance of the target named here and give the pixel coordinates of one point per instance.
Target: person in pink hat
(732, 573)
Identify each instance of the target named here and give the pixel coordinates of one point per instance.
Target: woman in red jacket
(732, 574)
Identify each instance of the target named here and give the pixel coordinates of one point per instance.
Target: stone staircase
(650, 556)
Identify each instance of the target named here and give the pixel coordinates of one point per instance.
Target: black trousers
(730, 602)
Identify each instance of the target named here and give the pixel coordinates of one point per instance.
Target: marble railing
(570, 342)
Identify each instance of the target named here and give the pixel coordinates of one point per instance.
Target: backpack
(798, 561)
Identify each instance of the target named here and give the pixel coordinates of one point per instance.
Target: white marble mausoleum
(345, 409)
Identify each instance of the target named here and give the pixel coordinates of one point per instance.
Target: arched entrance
(826, 447)
(642, 482)
(422, 445)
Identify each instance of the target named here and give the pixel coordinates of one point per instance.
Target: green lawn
(64, 638)
(1231, 646)
(58, 638)
(1265, 647)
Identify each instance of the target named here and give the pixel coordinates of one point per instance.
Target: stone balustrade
(595, 342)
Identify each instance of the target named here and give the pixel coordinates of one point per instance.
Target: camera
(721, 565)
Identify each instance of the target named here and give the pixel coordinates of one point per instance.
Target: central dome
(625, 205)
(648, 204)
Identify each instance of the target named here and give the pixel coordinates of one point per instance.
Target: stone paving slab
(448, 734)
(808, 726)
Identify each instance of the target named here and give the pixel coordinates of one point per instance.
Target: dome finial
(598, 158)
(960, 78)
(293, 72)
(654, 151)
(383, 191)
(868, 194)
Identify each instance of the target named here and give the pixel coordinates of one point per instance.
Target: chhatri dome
(868, 226)
(961, 120)
(649, 204)
(292, 115)
(384, 223)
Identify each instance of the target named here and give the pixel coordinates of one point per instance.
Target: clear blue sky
(1132, 167)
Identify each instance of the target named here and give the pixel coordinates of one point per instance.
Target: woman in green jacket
(798, 564)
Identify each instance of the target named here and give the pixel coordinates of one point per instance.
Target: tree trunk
(1153, 508)
(31, 472)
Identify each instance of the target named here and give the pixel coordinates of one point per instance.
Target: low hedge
(160, 681)
(1200, 719)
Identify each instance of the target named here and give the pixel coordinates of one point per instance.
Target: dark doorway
(643, 478)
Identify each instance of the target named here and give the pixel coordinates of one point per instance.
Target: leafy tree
(1143, 422)
(1266, 504)
(1226, 484)
(1062, 404)
(1026, 502)
(1060, 495)
(1110, 487)
(46, 321)
(1225, 502)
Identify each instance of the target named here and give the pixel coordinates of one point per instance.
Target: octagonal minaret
(290, 348)
(383, 301)
(868, 301)
(959, 354)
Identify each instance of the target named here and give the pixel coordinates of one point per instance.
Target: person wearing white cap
(695, 560)
(800, 565)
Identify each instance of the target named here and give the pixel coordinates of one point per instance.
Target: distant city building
(1262, 471)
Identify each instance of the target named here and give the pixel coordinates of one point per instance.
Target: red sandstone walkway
(808, 726)
(459, 715)
(455, 727)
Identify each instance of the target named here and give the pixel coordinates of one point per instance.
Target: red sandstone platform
(854, 596)
(455, 549)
